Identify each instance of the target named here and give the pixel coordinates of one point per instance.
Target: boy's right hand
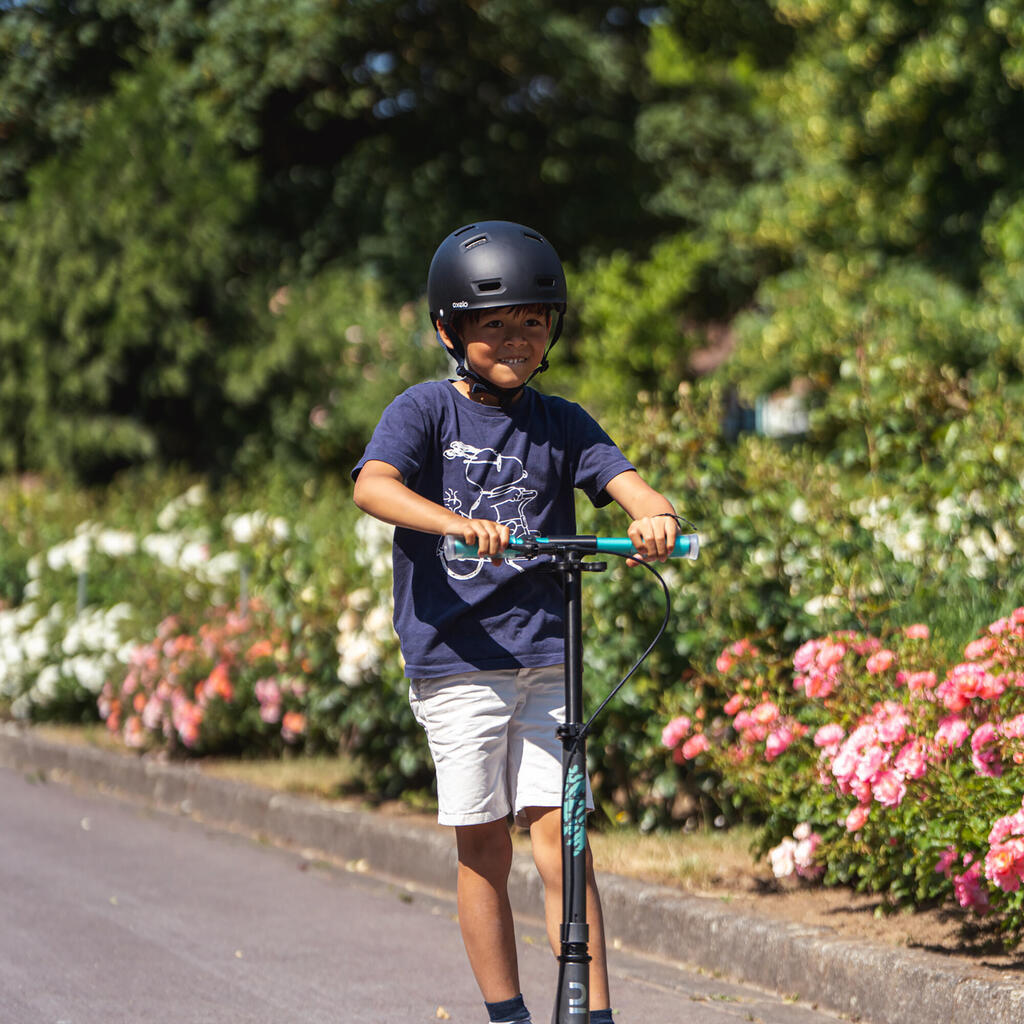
(490, 537)
(380, 491)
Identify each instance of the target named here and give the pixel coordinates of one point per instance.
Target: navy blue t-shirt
(518, 466)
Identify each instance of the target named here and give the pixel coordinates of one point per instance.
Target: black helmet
(493, 263)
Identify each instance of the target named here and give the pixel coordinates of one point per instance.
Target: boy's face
(505, 345)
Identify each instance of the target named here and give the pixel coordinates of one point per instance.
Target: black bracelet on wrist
(680, 520)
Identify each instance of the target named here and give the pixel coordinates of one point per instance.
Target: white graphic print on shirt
(495, 484)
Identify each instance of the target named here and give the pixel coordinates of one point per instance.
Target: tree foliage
(122, 290)
(832, 187)
(375, 126)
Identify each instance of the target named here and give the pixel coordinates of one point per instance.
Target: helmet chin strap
(477, 383)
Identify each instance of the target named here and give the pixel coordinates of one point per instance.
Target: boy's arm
(653, 531)
(381, 492)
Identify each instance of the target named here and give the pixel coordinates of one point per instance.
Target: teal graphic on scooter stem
(574, 811)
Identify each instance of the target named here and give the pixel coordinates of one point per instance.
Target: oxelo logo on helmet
(460, 305)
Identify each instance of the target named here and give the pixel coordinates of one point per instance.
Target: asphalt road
(112, 912)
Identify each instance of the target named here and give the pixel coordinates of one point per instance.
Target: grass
(317, 776)
(696, 861)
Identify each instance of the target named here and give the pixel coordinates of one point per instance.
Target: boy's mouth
(513, 361)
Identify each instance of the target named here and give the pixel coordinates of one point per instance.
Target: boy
(485, 458)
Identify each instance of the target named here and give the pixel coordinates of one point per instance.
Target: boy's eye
(499, 323)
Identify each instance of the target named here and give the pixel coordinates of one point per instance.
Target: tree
(897, 216)
(123, 290)
(903, 120)
(376, 126)
(706, 137)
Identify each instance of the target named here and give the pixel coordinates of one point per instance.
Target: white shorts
(493, 740)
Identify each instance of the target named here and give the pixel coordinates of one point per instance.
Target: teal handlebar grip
(686, 546)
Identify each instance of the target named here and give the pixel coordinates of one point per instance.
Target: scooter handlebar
(686, 546)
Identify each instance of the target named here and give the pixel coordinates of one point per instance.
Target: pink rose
(830, 735)
(134, 732)
(893, 728)
(765, 713)
(910, 761)
(734, 703)
(968, 890)
(889, 789)
(778, 741)
(920, 680)
(952, 732)
(674, 732)
(742, 647)
(819, 684)
(1004, 864)
(830, 654)
(1012, 824)
(844, 764)
(979, 648)
(857, 818)
(880, 661)
(804, 855)
(985, 752)
(1013, 728)
(946, 861)
(805, 655)
(695, 745)
(918, 631)
(782, 858)
(742, 721)
(872, 761)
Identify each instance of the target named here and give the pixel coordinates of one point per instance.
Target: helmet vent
(545, 282)
(473, 243)
(488, 286)
(531, 235)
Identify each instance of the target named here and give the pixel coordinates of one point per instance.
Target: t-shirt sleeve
(599, 459)
(398, 438)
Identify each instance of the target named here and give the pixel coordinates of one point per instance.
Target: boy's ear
(443, 335)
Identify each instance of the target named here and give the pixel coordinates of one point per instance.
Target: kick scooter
(572, 998)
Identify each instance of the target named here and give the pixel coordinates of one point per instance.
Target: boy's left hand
(653, 537)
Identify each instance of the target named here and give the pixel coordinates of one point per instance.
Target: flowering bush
(87, 595)
(899, 774)
(53, 662)
(233, 685)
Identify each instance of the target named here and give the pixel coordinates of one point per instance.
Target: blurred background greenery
(215, 222)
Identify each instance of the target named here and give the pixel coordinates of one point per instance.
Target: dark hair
(474, 316)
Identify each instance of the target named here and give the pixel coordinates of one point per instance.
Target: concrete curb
(870, 983)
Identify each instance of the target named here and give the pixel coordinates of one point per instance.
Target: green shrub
(338, 353)
(113, 313)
